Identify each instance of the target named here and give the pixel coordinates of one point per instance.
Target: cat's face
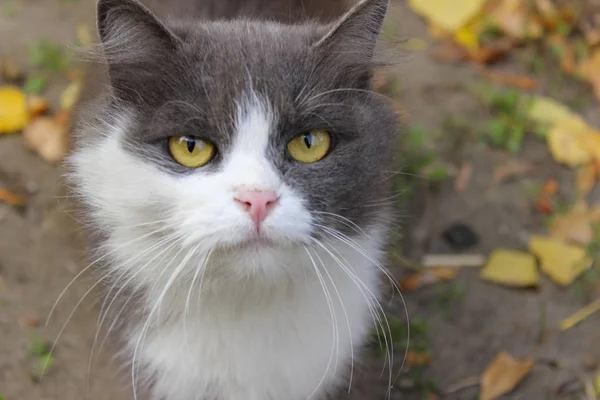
(250, 136)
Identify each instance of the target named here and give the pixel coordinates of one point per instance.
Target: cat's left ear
(355, 35)
(135, 43)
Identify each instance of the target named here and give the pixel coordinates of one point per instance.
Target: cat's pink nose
(258, 203)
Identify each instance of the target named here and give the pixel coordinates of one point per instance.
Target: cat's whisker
(333, 318)
(97, 260)
(155, 309)
(200, 267)
(347, 222)
(344, 238)
(343, 311)
(376, 314)
(170, 241)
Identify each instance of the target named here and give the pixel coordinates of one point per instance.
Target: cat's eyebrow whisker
(321, 105)
(332, 314)
(370, 92)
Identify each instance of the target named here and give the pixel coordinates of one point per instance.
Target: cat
(233, 166)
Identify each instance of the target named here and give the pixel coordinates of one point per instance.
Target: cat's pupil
(191, 144)
(308, 140)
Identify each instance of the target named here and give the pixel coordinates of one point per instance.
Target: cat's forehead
(230, 54)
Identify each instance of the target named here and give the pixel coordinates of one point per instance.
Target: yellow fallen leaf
(546, 111)
(585, 179)
(580, 315)
(48, 138)
(70, 95)
(449, 15)
(590, 70)
(562, 262)
(597, 383)
(567, 142)
(591, 141)
(14, 114)
(502, 375)
(511, 268)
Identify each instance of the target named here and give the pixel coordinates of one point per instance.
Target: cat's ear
(134, 42)
(355, 35)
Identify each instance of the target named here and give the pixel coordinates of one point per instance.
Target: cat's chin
(257, 242)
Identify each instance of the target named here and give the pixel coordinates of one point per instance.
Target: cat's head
(250, 135)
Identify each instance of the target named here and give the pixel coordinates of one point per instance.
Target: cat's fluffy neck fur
(202, 315)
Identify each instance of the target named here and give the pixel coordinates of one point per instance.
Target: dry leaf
(449, 52)
(47, 138)
(10, 71)
(511, 169)
(448, 15)
(566, 51)
(12, 198)
(591, 141)
(566, 141)
(511, 268)
(561, 261)
(452, 260)
(544, 204)
(513, 18)
(37, 105)
(414, 359)
(502, 375)
(70, 95)
(428, 277)
(575, 227)
(492, 51)
(548, 112)
(547, 10)
(580, 315)
(590, 70)
(511, 79)
(586, 178)
(14, 114)
(464, 177)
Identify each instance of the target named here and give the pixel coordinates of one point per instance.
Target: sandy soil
(40, 251)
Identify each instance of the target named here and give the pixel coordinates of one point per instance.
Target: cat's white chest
(293, 342)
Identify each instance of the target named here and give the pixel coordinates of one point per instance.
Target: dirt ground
(40, 250)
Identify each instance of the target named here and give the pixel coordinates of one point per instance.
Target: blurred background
(499, 209)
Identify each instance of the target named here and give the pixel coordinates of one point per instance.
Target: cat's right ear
(134, 41)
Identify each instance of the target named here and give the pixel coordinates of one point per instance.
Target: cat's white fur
(268, 323)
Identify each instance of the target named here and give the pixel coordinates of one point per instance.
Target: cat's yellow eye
(309, 147)
(191, 151)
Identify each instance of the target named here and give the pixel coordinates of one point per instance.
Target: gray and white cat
(234, 169)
